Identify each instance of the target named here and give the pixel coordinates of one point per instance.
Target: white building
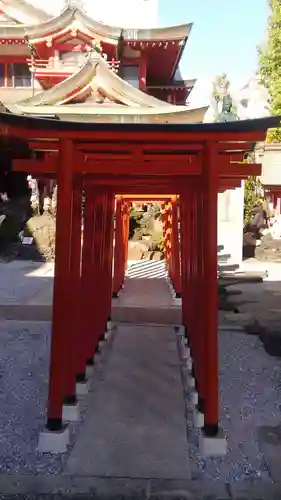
(252, 100)
(124, 13)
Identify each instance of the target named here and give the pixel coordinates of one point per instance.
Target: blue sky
(224, 36)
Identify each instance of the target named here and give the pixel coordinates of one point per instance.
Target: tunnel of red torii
(108, 162)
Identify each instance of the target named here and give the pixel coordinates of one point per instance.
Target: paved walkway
(130, 430)
(135, 425)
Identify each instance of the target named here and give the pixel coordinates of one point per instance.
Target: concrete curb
(104, 488)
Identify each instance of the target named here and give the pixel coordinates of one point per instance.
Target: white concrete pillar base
(82, 388)
(180, 330)
(213, 446)
(71, 413)
(177, 301)
(89, 371)
(190, 382)
(198, 418)
(110, 325)
(188, 364)
(194, 398)
(186, 354)
(101, 344)
(54, 441)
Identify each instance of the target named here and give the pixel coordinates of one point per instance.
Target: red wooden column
(175, 248)
(86, 288)
(126, 228)
(108, 252)
(118, 244)
(185, 227)
(97, 295)
(74, 311)
(103, 282)
(168, 239)
(122, 246)
(164, 224)
(62, 289)
(200, 306)
(194, 277)
(210, 289)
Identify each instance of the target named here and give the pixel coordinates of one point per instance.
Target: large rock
(13, 216)
(43, 230)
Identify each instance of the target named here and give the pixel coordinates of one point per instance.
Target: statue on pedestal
(222, 100)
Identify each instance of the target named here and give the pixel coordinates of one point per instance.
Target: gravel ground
(24, 367)
(250, 383)
(23, 391)
(250, 398)
(20, 281)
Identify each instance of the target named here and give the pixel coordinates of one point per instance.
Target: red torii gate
(194, 161)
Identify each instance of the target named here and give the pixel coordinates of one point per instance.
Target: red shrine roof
(73, 23)
(76, 17)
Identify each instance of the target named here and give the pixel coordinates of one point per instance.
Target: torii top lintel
(150, 149)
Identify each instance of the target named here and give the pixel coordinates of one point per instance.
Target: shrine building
(100, 110)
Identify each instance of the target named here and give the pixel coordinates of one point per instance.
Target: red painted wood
(74, 327)
(97, 294)
(200, 291)
(185, 227)
(108, 253)
(126, 227)
(117, 275)
(62, 290)
(143, 136)
(210, 297)
(120, 145)
(85, 347)
(175, 247)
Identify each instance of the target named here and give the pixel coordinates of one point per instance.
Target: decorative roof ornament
(74, 4)
(96, 47)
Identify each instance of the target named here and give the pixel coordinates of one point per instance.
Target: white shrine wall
(230, 222)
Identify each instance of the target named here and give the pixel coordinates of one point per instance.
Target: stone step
(122, 314)
(144, 315)
(228, 267)
(224, 257)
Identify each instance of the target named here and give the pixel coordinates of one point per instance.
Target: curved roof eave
(35, 123)
(100, 109)
(53, 25)
(96, 73)
(20, 10)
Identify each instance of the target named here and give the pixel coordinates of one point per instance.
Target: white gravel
(250, 397)
(21, 281)
(250, 383)
(24, 363)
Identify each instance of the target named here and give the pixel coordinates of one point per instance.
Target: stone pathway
(130, 430)
(135, 425)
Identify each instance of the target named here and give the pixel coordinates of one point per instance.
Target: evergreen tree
(270, 65)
